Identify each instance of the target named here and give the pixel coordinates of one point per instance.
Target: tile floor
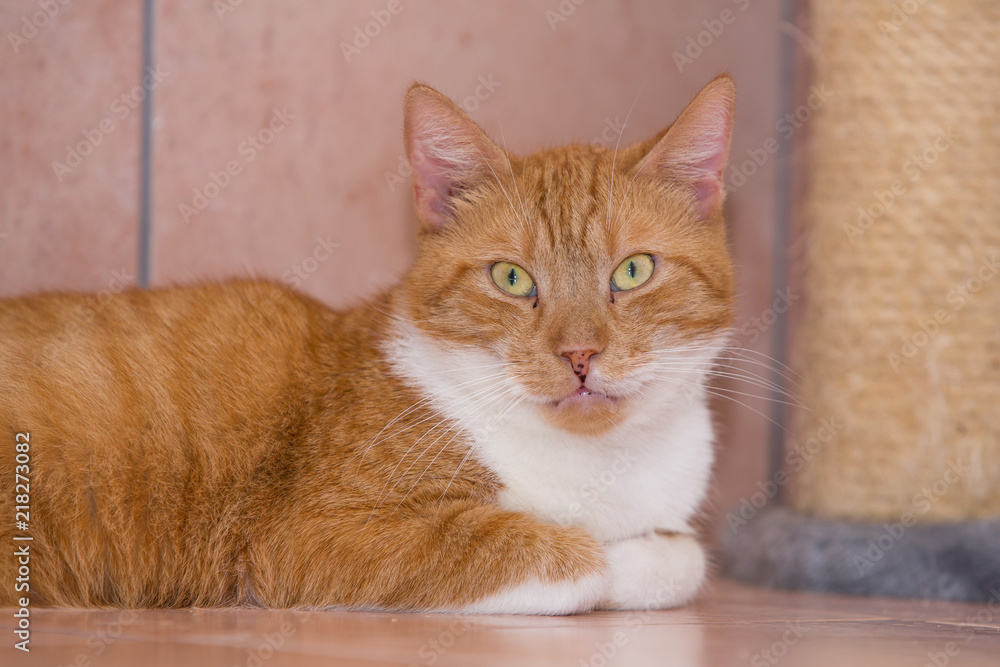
(732, 625)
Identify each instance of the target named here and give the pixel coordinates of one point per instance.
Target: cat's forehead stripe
(569, 220)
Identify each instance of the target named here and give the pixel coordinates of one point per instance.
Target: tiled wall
(69, 144)
(277, 135)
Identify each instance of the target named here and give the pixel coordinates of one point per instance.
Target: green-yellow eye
(631, 273)
(512, 279)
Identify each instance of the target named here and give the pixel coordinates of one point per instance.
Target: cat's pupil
(512, 277)
(631, 269)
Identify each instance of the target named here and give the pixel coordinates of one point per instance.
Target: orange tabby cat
(520, 426)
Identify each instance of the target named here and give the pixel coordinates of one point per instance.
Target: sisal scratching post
(895, 467)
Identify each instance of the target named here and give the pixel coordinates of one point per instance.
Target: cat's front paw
(655, 571)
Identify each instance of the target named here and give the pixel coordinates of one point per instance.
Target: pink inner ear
(432, 187)
(694, 150)
(707, 172)
(436, 168)
(709, 192)
(698, 160)
(446, 149)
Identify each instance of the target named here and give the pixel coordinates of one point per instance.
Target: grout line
(146, 152)
(779, 269)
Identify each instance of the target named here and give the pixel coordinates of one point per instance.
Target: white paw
(654, 571)
(543, 598)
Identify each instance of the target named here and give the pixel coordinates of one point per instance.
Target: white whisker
(503, 413)
(503, 190)
(513, 178)
(614, 158)
(422, 402)
(492, 402)
(477, 402)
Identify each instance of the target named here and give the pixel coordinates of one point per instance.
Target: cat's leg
(464, 556)
(655, 571)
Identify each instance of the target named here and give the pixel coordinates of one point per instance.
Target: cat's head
(591, 276)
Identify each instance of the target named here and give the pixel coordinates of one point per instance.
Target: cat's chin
(585, 411)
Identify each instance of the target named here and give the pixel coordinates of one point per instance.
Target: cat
(520, 426)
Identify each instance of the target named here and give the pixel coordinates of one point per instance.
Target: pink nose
(580, 361)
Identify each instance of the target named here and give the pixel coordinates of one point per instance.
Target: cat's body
(452, 445)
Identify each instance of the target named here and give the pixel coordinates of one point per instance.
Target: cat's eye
(631, 273)
(512, 279)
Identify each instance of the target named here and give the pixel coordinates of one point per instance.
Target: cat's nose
(579, 360)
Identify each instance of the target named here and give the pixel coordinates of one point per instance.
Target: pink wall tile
(64, 69)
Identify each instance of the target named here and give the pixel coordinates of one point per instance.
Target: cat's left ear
(447, 151)
(694, 149)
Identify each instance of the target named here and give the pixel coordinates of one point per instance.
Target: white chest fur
(651, 471)
(627, 482)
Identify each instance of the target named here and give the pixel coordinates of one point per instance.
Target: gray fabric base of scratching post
(780, 548)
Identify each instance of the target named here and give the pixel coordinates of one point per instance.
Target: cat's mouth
(586, 398)
(585, 411)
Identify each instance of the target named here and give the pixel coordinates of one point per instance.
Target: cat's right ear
(447, 151)
(693, 151)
